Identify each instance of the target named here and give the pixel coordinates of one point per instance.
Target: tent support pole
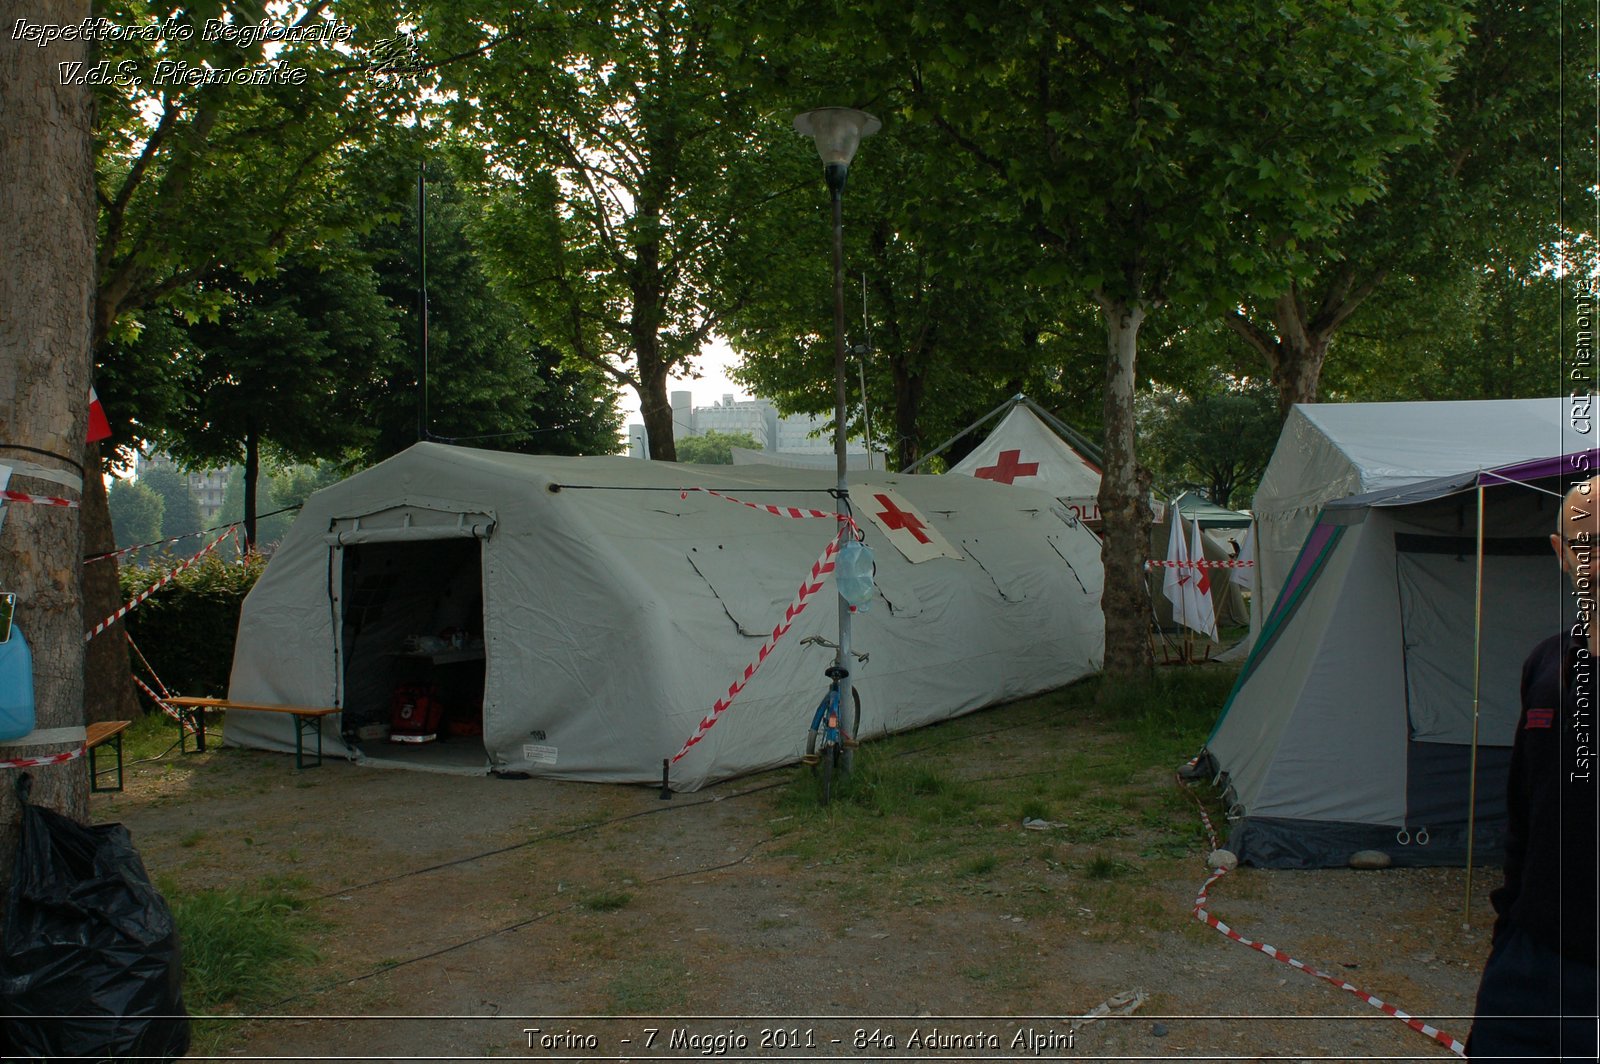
(1477, 675)
(945, 446)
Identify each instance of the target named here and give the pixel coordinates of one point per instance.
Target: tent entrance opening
(412, 638)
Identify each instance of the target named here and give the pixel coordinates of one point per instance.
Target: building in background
(208, 486)
(795, 434)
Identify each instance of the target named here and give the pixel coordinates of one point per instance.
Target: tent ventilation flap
(408, 521)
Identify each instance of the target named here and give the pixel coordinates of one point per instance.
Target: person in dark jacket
(1538, 997)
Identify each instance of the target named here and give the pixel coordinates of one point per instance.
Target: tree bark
(1124, 512)
(655, 406)
(1296, 352)
(908, 388)
(107, 683)
(47, 211)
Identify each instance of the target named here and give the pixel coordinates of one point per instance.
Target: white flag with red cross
(904, 526)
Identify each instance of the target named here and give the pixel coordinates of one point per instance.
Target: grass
(243, 949)
(607, 901)
(1095, 760)
(651, 985)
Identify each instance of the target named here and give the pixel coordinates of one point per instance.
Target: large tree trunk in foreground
(46, 296)
(1124, 512)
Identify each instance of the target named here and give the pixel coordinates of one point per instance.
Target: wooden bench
(307, 720)
(100, 733)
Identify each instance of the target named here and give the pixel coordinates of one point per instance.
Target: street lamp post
(838, 131)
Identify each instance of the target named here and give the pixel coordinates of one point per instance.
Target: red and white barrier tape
(47, 759)
(158, 700)
(1205, 917)
(822, 567)
(778, 511)
(1160, 563)
(37, 500)
(120, 551)
(147, 592)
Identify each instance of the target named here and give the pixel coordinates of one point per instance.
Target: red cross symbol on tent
(1008, 468)
(895, 518)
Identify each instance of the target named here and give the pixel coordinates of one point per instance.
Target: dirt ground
(456, 915)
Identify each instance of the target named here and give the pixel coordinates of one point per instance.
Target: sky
(713, 384)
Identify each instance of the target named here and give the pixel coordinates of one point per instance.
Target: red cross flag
(907, 529)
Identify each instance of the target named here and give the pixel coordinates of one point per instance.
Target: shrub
(188, 627)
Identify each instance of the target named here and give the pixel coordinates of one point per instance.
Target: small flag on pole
(99, 427)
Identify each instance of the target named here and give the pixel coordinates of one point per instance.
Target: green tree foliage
(276, 365)
(617, 139)
(197, 179)
(1219, 442)
(180, 514)
(135, 512)
(1475, 332)
(935, 286)
(1484, 193)
(1178, 155)
(492, 379)
(714, 448)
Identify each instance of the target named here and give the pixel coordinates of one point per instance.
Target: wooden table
(99, 733)
(307, 720)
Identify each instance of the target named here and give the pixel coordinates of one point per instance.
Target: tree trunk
(908, 387)
(252, 472)
(1302, 348)
(108, 673)
(1124, 511)
(1296, 353)
(655, 407)
(46, 294)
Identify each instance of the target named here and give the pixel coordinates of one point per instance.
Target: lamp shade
(837, 131)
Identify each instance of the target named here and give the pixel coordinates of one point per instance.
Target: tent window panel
(1437, 603)
(741, 576)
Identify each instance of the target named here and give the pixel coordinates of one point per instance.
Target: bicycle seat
(835, 672)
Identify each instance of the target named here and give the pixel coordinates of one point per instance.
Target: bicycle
(834, 756)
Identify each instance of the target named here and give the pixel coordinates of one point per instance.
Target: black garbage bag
(91, 968)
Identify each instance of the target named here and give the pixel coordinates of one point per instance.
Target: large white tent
(1023, 450)
(602, 611)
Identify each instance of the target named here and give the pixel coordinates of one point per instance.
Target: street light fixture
(838, 131)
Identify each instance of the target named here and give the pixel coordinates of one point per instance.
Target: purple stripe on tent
(1574, 463)
(1315, 543)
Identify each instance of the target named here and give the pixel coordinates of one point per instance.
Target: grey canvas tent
(1351, 726)
(1330, 451)
(601, 610)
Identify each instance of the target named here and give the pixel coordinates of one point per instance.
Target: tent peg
(666, 791)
